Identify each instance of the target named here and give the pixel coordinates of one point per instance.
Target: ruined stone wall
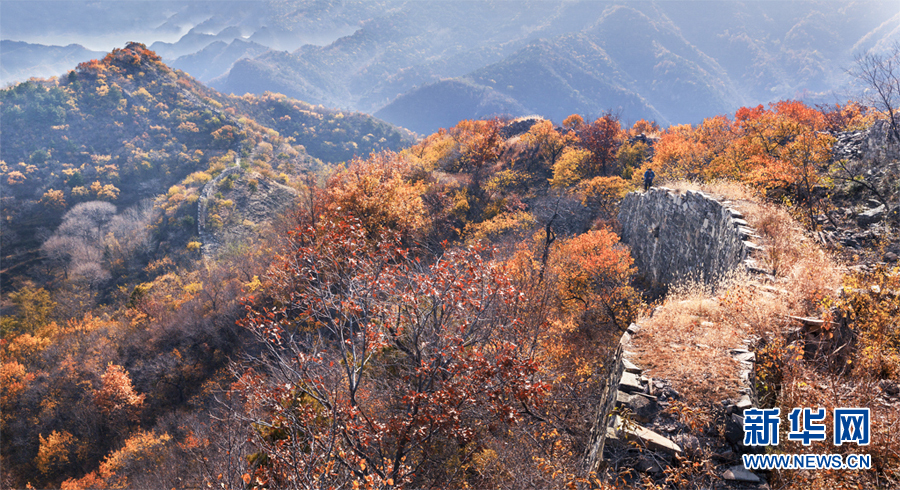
(677, 236)
(672, 236)
(613, 369)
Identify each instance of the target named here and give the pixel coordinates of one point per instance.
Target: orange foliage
(15, 177)
(604, 193)
(684, 152)
(54, 451)
(642, 126)
(424, 364)
(378, 192)
(848, 117)
(549, 142)
(573, 121)
(142, 451)
(14, 380)
(54, 199)
(783, 146)
(594, 273)
(480, 143)
(116, 395)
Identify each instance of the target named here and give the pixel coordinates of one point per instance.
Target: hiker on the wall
(648, 179)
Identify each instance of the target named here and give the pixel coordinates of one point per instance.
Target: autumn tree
(602, 138)
(573, 121)
(574, 297)
(139, 454)
(630, 156)
(642, 126)
(869, 306)
(852, 116)
(34, 307)
(603, 195)
(547, 141)
(117, 399)
(701, 153)
(54, 452)
(593, 278)
(784, 147)
(480, 144)
(381, 193)
(570, 167)
(379, 369)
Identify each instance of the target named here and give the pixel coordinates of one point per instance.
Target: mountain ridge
(127, 128)
(682, 59)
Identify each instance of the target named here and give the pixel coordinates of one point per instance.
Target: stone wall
(613, 370)
(672, 236)
(683, 236)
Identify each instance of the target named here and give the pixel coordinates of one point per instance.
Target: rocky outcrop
(520, 125)
(683, 236)
(874, 144)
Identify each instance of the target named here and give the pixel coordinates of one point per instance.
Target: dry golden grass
(687, 341)
(730, 189)
(721, 189)
(688, 338)
(799, 265)
(679, 186)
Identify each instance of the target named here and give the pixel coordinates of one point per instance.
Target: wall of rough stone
(676, 236)
(612, 375)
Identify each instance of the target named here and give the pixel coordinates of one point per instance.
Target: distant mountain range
(426, 65)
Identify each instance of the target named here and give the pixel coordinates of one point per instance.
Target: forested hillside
(127, 129)
(429, 313)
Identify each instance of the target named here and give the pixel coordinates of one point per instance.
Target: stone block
(745, 357)
(739, 473)
(630, 367)
(689, 443)
(622, 399)
(643, 408)
(646, 438)
(630, 383)
(871, 216)
(734, 429)
(743, 404)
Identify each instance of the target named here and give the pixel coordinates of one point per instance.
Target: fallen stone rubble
(647, 437)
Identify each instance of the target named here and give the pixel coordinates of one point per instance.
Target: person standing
(648, 179)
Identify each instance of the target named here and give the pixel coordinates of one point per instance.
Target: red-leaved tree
(378, 369)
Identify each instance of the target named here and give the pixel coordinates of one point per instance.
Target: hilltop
(127, 128)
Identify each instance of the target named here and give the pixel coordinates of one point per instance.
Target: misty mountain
(432, 105)
(172, 28)
(673, 61)
(21, 61)
(216, 59)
